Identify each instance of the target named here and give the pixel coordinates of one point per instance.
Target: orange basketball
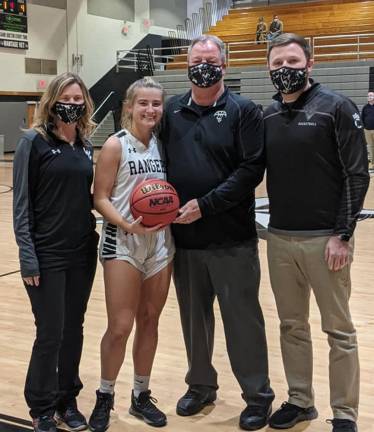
(156, 200)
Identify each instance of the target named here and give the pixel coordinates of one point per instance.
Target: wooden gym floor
(167, 383)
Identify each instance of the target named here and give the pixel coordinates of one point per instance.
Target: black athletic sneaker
(343, 425)
(289, 414)
(99, 420)
(254, 417)
(72, 418)
(144, 407)
(195, 399)
(44, 424)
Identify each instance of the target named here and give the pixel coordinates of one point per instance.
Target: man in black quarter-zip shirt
(317, 178)
(214, 147)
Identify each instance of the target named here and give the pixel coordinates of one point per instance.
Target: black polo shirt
(215, 155)
(53, 222)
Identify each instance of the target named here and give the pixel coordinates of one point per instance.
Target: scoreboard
(13, 7)
(13, 24)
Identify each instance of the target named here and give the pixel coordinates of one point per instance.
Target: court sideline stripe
(17, 420)
(7, 274)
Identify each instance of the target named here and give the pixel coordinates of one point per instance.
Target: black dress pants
(233, 276)
(58, 304)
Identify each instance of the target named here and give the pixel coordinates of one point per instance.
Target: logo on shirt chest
(88, 153)
(357, 120)
(307, 123)
(220, 115)
(56, 151)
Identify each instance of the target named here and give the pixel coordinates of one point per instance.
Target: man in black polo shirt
(317, 178)
(214, 144)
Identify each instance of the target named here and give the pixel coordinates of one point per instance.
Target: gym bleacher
(341, 34)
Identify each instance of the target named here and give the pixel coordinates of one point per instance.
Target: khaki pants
(297, 265)
(369, 135)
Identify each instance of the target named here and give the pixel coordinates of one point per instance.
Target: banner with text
(13, 24)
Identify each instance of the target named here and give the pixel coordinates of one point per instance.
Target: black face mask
(289, 80)
(69, 113)
(205, 74)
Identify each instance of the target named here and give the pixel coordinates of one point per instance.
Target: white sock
(141, 384)
(107, 386)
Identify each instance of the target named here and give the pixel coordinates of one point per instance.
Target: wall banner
(13, 24)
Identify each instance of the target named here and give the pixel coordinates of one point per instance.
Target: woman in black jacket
(55, 232)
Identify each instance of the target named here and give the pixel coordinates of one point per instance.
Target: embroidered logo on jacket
(88, 153)
(307, 123)
(220, 115)
(57, 151)
(357, 120)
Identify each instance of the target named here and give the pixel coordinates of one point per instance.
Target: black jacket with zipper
(215, 154)
(52, 202)
(316, 161)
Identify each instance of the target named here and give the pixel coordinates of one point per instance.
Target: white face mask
(370, 98)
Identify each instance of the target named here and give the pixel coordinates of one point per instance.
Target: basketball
(156, 200)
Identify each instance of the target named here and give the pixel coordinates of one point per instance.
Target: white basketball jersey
(150, 252)
(138, 163)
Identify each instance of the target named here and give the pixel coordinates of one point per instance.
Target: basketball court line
(9, 273)
(15, 424)
(10, 188)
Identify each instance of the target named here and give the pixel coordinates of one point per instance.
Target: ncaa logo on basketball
(154, 202)
(220, 115)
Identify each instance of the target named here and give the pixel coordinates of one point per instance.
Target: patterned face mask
(69, 113)
(205, 74)
(289, 80)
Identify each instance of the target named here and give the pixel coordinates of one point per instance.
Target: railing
(107, 97)
(142, 60)
(243, 3)
(360, 46)
(200, 22)
(350, 45)
(146, 60)
(260, 48)
(99, 113)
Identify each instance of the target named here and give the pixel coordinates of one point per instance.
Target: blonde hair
(130, 95)
(44, 115)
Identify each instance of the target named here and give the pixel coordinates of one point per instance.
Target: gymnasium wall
(61, 4)
(113, 9)
(46, 35)
(166, 13)
(12, 121)
(194, 5)
(55, 33)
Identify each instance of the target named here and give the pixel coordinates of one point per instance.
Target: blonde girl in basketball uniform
(136, 259)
